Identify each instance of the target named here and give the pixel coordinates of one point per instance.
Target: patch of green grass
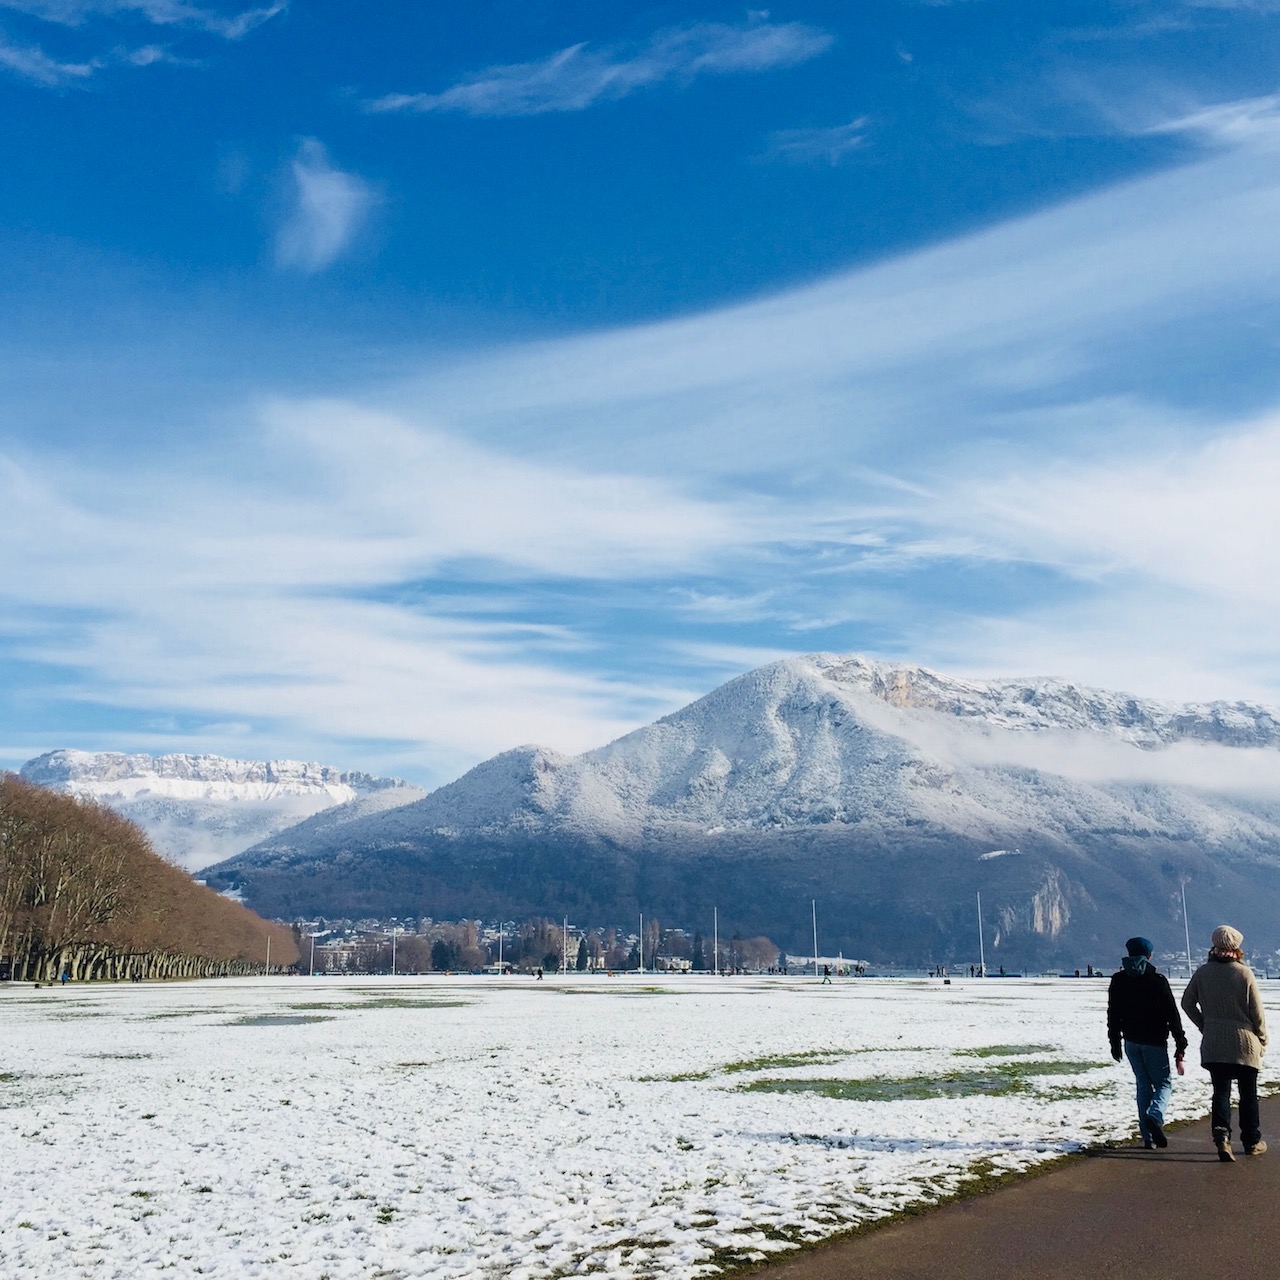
(1006, 1051)
(771, 1062)
(120, 1057)
(780, 1061)
(278, 1019)
(1069, 1091)
(1012, 1077)
(408, 1002)
(8, 1077)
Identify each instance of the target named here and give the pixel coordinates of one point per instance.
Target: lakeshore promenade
(1110, 1215)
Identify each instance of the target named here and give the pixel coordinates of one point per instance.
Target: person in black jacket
(1142, 1011)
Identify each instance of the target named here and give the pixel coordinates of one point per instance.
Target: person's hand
(1177, 1062)
(1115, 1053)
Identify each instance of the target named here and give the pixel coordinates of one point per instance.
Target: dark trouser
(1222, 1074)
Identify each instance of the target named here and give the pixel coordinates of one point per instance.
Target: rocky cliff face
(200, 809)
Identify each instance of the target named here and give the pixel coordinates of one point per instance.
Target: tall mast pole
(982, 954)
(1186, 928)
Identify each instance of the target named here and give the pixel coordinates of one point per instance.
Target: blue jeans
(1150, 1063)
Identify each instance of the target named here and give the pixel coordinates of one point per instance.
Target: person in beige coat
(1222, 1000)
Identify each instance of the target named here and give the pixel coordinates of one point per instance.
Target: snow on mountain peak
(103, 775)
(199, 809)
(1048, 703)
(841, 739)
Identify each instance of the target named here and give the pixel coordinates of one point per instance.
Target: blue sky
(390, 386)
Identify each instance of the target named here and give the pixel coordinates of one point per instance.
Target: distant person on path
(1222, 1000)
(826, 973)
(1141, 1012)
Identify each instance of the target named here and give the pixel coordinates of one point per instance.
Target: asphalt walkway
(1124, 1213)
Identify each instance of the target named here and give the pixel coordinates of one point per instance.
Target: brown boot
(1257, 1149)
(1223, 1143)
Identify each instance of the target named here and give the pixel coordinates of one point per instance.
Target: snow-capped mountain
(199, 809)
(871, 785)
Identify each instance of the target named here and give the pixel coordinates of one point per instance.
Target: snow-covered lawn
(489, 1127)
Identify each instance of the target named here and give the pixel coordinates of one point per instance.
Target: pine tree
(583, 956)
(698, 960)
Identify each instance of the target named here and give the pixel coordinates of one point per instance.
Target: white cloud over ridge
(582, 75)
(328, 207)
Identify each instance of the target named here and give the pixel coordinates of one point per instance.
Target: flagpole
(1186, 928)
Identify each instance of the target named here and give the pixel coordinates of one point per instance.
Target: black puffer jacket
(1141, 1008)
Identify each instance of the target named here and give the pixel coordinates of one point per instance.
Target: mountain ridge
(877, 786)
(201, 808)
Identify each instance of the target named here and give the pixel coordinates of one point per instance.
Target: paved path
(1127, 1214)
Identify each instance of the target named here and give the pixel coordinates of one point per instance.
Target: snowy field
(491, 1127)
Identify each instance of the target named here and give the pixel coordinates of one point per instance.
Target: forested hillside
(82, 892)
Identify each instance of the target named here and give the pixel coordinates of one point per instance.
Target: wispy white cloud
(1200, 517)
(830, 146)
(327, 209)
(309, 605)
(32, 63)
(163, 13)
(1242, 6)
(1231, 123)
(581, 75)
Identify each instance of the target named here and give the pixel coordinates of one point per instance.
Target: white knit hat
(1225, 938)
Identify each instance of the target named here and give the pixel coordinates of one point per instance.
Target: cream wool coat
(1222, 1000)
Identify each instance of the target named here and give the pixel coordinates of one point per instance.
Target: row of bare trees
(83, 894)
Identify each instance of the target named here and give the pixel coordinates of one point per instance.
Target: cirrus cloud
(31, 61)
(580, 76)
